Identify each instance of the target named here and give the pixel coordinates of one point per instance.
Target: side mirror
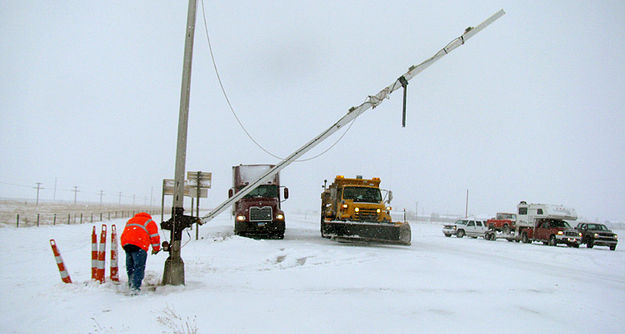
(390, 196)
(230, 193)
(286, 193)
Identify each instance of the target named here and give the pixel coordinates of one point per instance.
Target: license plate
(262, 224)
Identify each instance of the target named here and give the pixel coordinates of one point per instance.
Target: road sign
(204, 179)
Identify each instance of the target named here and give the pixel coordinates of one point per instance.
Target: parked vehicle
(469, 227)
(597, 235)
(258, 213)
(504, 222)
(542, 222)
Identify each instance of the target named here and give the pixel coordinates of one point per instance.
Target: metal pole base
(173, 273)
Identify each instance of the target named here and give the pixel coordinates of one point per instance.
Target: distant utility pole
(101, 193)
(466, 206)
(54, 195)
(416, 212)
(75, 193)
(38, 187)
(120, 198)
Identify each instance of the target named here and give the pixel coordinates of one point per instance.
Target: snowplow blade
(388, 233)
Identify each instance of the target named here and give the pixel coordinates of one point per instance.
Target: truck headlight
(580, 234)
(596, 235)
(560, 233)
(240, 218)
(344, 206)
(378, 210)
(279, 216)
(615, 236)
(356, 209)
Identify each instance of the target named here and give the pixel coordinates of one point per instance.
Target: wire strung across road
(223, 90)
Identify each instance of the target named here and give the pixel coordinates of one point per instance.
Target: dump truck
(354, 209)
(258, 213)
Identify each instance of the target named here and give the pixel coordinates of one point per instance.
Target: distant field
(49, 213)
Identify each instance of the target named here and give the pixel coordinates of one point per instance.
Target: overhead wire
(223, 90)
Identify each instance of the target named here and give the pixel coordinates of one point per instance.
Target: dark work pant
(135, 266)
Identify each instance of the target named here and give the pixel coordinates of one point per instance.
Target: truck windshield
(597, 227)
(560, 223)
(362, 194)
(265, 190)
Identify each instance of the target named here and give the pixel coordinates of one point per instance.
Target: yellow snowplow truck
(355, 209)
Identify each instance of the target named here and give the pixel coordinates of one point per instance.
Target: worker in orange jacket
(140, 233)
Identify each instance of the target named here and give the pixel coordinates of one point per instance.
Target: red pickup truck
(552, 232)
(504, 222)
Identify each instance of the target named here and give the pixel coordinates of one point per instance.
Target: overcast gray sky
(532, 108)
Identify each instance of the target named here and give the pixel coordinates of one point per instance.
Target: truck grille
(605, 237)
(260, 214)
(367, 215)
(571, 234)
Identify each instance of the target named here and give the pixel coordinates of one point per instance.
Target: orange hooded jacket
(142, 232)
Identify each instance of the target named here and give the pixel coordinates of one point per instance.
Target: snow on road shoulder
(308, 284)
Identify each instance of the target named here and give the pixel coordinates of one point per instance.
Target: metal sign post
(199, 183)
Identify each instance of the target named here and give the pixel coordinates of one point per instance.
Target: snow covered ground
(306, 284)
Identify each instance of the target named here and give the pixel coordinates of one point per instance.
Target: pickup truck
(470, 227)
(503, 222)
(597, 235)
(553, 232)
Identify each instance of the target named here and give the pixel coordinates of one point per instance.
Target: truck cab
(259, 212)
(556, 231)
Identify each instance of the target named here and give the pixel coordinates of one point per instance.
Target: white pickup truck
(469, 226)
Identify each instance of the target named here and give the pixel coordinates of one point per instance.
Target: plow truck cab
(353, 208)
(257, 213)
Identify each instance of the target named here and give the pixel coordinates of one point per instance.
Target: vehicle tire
(460, 234)
(613, 247)
(552, 241)
(590, 243)
(506, 229)
(524, 238)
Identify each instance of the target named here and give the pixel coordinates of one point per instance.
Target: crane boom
(353, 113)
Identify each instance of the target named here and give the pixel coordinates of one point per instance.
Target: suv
(597, 234)
(469, 227)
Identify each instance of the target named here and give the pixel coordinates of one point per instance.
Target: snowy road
(307, 284)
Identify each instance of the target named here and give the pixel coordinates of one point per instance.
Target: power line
(223, 90)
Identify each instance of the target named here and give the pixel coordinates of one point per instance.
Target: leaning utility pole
(173, 273)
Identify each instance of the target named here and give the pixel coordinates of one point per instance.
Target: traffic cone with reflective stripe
(101, 255)
(59, 262)
(114, 267)
(94, 255)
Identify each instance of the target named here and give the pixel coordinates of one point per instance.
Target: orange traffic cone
(94, 255)
(114, 267)
(101, 255)
(59, 262)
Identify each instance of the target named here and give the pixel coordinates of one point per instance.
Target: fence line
(50, 218)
